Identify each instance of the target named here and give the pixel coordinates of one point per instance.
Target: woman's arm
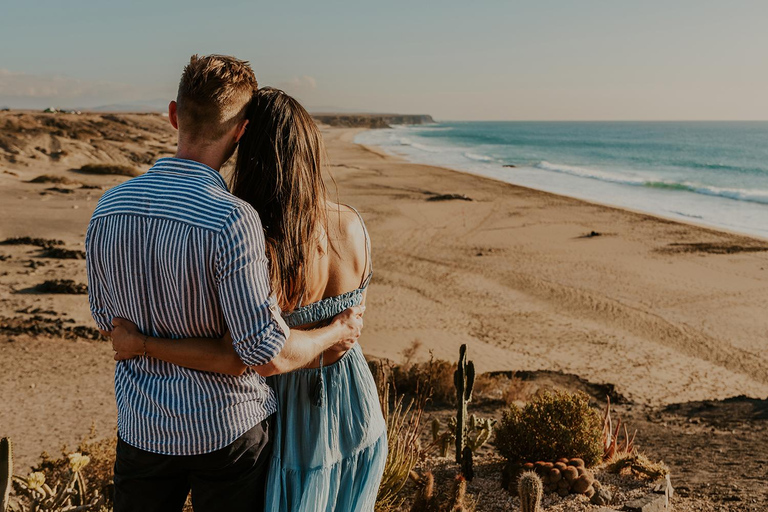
(219, 356)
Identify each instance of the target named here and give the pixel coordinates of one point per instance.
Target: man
(176, 253)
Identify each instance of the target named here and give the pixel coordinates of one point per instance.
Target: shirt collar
(182, 165)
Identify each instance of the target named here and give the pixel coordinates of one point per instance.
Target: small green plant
(551, 426)
(530, 490)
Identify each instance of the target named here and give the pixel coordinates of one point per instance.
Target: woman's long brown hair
(279, 172)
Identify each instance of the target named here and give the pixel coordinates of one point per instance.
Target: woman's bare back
(342, 262)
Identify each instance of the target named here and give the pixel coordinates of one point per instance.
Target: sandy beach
(667, 312)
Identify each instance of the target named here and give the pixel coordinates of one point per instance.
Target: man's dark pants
(232, 478)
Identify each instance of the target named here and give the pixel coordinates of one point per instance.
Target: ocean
(712, 173)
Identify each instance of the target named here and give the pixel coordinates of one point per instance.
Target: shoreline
(654, 189)
(701, 225)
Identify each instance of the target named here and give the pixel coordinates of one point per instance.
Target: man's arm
(219, 355)
(97, 298)
(243, 287)
(257, 329)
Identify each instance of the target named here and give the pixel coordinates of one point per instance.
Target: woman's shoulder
(351, 237)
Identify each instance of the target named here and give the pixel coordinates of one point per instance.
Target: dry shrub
(435, 377)
(510, 390)
(120, 170)
(404, 448)
(50, 178)
(638, 465)
(551, 426)
(98, 473)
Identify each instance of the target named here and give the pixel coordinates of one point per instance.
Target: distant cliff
(371, 120)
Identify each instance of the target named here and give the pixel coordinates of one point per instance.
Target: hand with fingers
(351, 322)
(127, 341)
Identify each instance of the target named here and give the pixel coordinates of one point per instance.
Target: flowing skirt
(329, 457)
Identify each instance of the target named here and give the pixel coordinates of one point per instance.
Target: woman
(330, 442)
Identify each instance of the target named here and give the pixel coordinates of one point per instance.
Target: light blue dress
(330, 437)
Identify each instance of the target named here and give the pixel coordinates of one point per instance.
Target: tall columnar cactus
(464, 380)
(6, 472)
(530, 489)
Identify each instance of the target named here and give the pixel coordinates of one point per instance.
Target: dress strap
(368, 262)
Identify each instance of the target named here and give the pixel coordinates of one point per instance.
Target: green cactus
(480, 432)
(6, 472)
(464, 380)
(443, 440)
(530, 489)
(435, 430)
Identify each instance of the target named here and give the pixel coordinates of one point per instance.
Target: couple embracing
(235, 314)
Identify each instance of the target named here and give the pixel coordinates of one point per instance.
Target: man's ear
(241, 130)
(173, 115)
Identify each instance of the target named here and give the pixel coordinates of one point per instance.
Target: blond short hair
(214, 93)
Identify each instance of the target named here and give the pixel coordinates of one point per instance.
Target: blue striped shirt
(176, 253)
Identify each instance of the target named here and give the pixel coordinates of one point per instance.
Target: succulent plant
(564, 476)
(530, 490)
(479, 432)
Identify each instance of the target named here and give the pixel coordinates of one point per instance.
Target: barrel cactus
(530, 490)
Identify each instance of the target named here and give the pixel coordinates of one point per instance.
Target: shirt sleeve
(242, 280)
(97, 299)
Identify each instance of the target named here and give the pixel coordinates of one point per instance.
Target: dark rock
(649, 503)
(62, 286)
(56, 327)
(511, 166)
(25, 240)
(602, 496)
(60, 190)
(371, 120)
(449, 197)
(63, 254)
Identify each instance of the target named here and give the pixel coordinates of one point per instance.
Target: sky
(455, 60)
